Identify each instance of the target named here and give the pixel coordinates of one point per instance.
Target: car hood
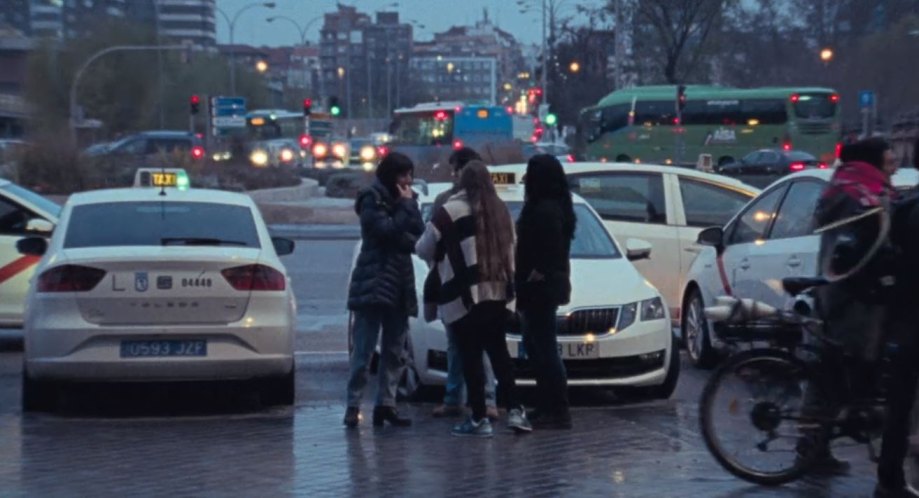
(606, 282)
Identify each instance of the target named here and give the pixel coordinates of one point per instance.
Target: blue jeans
(367, 325)
(456, 385)
(540, 338)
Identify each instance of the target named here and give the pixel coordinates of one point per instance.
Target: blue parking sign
(865, 99)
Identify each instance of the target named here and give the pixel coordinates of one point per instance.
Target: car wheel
(38, 396)
(665, 390)
(695, 332)
(279, 391)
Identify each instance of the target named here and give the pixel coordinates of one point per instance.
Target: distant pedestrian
(545, 230)
(454, 392)
(471, 241)
(382, 289)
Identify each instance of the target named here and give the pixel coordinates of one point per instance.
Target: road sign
(865, 99)
(229, 121)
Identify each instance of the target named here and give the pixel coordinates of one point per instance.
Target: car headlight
(320, 150)
(368, 153)
(339, 151)
(627, 315)
(258, 157)
(368, 167)
(652, 309)
(287, 155)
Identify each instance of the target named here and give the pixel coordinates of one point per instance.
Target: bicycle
(796, 394)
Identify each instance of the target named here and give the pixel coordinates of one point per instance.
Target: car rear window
(161, 223)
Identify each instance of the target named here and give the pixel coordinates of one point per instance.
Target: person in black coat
(382, 290)
(544, 233)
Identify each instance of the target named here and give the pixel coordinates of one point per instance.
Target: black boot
(389, 414)
(352, 417)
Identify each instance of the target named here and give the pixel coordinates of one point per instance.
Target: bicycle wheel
(761, 419)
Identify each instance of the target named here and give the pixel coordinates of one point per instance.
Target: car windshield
(45, 204)
(160, 223)
(591, 240)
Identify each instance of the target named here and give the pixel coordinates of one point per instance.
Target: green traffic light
(551, 119)
(335, 110)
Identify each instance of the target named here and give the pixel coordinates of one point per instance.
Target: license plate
(141, 349)
(569, 350)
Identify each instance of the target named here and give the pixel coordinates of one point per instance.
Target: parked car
(615, 332)
(763, 167)
(150, 285)
(665, 205)
(771, 238)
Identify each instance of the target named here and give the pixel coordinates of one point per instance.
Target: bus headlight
(339, 151)
(368, 153)
(368, 167)
(287, 155)
(320, 150)
(259, 158)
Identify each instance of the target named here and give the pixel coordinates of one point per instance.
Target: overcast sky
(435, 15)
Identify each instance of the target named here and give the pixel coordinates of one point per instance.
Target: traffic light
(534, 96)
(334, 106)
(681, 97)
(551, 119)
(307, 107)
(194, 104)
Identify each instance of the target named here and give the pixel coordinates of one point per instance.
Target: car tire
(665, 390)
(695, 332)
(279, 391)
(38, 396)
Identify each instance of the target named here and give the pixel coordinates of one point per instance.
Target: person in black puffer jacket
(382, 290)
(545, 230)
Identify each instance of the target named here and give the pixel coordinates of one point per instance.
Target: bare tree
(676, 32)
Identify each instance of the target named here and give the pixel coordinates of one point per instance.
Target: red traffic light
(195, 100)
(307, 106)
(193, 103)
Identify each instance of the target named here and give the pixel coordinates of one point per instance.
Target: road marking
(17, 266)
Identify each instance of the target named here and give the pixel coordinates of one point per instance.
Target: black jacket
(542, 245)
(384, 275)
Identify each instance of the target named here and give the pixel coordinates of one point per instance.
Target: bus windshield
(815, 106)
(270, 128)
(423, 128)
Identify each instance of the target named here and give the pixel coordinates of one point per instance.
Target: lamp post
(302, 29)
(232, 25)
(550, 10)
(159, 64)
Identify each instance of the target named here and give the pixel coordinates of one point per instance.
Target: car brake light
(255, 278)
(838, 149)
(570, 158)
(795, 98)
(834, 98)
(822, 165)
(797, 166)
(305, 141)
(197, 152)
(70, 278)
(382, 150)
(457, 144)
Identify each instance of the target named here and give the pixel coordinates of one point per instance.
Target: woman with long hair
(545, 230)
(470, 240)
(382, 290)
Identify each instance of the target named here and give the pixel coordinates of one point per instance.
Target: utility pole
(618, 49)
(545, 55)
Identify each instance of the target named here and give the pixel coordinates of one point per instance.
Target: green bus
(640, 124)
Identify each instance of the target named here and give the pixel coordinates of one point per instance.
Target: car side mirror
(637, 249)
(32, 246)
(39, 225)
(712, 236)
(283, 246)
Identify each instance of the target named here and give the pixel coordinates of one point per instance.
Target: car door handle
(794, 262)
(744, 264)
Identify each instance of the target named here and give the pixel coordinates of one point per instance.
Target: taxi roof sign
(162, 178)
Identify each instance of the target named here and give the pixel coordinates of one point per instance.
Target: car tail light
(797, 166)
(838, 149)
(822, 165)
(795, 98)
(305, 141)
(457, 144)
(570, 158)
(382, 150)
(255, 278)
(834, 98)
(70, 278)
(197, 152)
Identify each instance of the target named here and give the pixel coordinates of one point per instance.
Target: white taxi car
(615, 332)
(664, 205)
(23, 213)
(139, 286)
(770, 239)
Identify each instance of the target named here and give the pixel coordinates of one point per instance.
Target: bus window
(428, 128)
(815, 106)
(763, 111)
(654, 112)
(614, 117)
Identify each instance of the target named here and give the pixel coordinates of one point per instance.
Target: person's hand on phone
(405, 191)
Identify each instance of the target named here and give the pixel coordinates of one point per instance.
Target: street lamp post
(232, 25)
(303, 30)
(159, 64)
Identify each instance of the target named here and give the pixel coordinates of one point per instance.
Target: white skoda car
(158, 285)
(615, 332)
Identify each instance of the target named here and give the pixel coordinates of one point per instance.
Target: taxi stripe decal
(17, 266)
(724, 275)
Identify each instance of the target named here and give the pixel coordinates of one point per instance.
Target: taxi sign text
(504, 178)
(163, 179)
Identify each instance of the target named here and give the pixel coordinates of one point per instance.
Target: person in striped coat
(470, 240)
